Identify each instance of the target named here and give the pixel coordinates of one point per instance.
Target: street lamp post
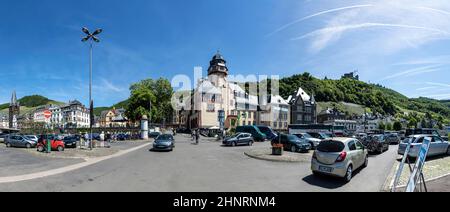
(91, 37)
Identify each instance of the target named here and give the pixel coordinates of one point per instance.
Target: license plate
(325, 169)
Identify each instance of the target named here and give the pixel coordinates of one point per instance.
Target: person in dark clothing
(197, 136)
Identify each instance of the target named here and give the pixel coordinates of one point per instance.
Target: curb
(89, 162)
(389, 183)
(273, 160)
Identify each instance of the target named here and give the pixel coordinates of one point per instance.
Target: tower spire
(13, 99)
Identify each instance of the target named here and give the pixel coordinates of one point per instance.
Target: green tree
(397, 126)
(381, 126)
(412, 123)
(158, 93)
(389, 126)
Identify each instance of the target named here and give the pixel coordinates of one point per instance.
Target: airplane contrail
(318, 14)
(366, 25)
(435, 10)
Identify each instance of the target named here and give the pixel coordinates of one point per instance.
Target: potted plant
(277, 149)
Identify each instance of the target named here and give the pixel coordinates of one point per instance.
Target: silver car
(19, 141)
(437, 147)
(314, 142)
(339, 157)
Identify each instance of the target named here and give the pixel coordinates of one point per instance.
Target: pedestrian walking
(197, 136)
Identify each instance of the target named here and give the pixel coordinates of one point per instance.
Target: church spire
(13, 99)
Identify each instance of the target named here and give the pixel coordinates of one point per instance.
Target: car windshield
(306, 135)
(293, 138)
(331, 146)
(265, 130)
(165, 137)
(324, 135)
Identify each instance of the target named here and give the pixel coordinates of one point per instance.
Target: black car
(70, 141)
(376, 143)
(164, 142)
(292, 143)
(122, 137)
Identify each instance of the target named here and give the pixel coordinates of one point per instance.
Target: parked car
(376, 143)
(2, 137)
(393, 138)
(56, 144)
(319, 135)
(268, 131)
(239, 139)
(19, 141)
(164, 142)
(32, 137)
(256, 133)
(70, 141)
(437, 147)
(122, 137)
(292, 143)
(339, 157)
(311, 140)
(154, 134)
(421, 131)
(445, 138)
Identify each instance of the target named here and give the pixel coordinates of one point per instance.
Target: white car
(339, 157)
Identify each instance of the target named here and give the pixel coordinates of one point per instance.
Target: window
(299, 117)
(359, 146)
(275, 125)
(352, 146)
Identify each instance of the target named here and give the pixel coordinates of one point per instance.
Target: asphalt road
(203, 168)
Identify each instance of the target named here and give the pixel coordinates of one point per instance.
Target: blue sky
(401, 44)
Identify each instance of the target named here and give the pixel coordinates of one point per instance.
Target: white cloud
(411, 23)
(414, 72)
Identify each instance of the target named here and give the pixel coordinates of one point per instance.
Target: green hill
(29, 103)
(376, 97)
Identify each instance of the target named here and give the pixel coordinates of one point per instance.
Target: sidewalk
(439, 185)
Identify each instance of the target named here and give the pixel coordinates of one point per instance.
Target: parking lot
(205, 167)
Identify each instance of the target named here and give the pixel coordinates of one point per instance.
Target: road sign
(420, 162)
(47, 114)
(402, 164)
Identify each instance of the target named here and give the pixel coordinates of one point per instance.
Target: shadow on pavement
(328, 182)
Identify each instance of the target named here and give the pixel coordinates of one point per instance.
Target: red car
(56, 143)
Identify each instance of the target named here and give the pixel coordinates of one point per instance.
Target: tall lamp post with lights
(91, 37)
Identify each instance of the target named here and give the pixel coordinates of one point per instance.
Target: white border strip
(62, 170)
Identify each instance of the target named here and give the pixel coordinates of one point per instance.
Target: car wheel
(381, 150)
(366, 162)
(233, 144)
(349, 174)
(60, 148)
(250, 143)
(312, 145)
(293, 148)
(448, 151)
(8, 145)
(28, 146)
(40, 149)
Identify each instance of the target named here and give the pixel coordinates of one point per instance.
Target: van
(256, 133)
(270, 134)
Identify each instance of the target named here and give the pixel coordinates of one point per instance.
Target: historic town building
(14, 112)
(303, 108)
(113, 118)
(200, 109)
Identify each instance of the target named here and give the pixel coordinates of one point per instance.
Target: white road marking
(62, 170)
